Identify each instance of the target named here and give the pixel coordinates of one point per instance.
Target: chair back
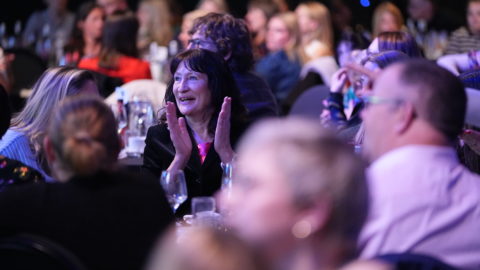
(310, 103)
(25, 251)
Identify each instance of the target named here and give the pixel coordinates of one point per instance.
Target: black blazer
(109, 221)
(202, 179)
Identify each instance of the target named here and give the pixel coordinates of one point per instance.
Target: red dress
(129, 68)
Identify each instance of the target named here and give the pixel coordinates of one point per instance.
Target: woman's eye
(192, 77)
(176, 78)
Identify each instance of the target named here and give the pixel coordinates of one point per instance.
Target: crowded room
(240, 135)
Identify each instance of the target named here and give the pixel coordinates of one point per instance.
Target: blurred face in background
(306, 24)
(110, 6)
(277, 35)
(473, 17)
(261, 201)
(388, 23)
(256, 20)
(92, 26)
(420, 9)
(57, 6)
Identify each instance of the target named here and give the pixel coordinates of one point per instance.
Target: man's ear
(405, 117)
(49, 151)
(313, 219)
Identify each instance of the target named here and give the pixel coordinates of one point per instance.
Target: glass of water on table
(175, 187)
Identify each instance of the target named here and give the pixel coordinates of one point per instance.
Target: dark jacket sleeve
(155, 158)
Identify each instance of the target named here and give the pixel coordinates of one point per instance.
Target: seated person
(12, 172)
(119, 54)
(281, 67)
(300, 196)
(23, 140)
(466, 39)
(212, 118)
(106, 217)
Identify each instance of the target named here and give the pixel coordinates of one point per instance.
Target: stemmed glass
(175, 187)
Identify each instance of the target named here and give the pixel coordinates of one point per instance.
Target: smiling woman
(204, 94)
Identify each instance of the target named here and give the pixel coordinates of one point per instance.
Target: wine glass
(175, 187)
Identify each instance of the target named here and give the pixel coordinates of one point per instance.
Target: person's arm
(455, 63)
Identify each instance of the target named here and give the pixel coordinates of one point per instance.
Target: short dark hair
(220, 83)
(231, 35)
(5, 113)
(442, 99)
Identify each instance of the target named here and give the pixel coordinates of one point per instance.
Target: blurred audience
(155, 24)
(215, 6)
(87, 34)
(422, 197)
(315, 29)
(258, 14)
(228, 36)
(113, 6)
(203, 249)
(467, 38)
(316, 181)
(187, 23)
(119, 54)
(387, 18)
(23, 140)
(108, 218)
(281, 67)
(211, 118)
(49, 29)
(430, 26)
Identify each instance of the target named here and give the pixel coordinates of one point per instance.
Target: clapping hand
(180, 138)
(222, 132)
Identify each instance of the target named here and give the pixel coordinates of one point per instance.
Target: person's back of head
(82, 138)
(119, 38)
(440, 97)
(231, 37)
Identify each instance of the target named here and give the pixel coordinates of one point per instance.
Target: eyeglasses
(198, 43)
(375, 100)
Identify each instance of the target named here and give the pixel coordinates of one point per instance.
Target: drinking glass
(203, 210)
(175, 187)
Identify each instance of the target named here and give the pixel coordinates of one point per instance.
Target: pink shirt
(424, 201)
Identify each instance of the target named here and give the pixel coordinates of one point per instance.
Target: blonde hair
(289, 19)
(203, 248)
(324, 33)
(54, 85)
(84, 136)
(315, 164)
(386, 7)
(158, 28)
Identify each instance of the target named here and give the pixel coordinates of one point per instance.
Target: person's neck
(312, 254)
(199, 126)
(92, 46)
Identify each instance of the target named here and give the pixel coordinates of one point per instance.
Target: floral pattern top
(14, 173)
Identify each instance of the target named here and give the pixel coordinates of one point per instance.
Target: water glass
(175, 187)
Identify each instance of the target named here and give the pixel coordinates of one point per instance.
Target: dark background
(13, 10)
